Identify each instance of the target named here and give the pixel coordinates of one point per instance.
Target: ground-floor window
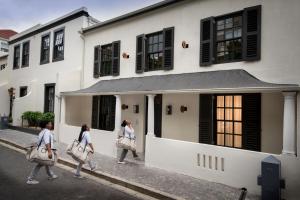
(23, 91)
(49, 98)
(103, 112)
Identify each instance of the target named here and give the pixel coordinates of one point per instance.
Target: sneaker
(119, 162)
(52, 177)
(32, 182)
(93, 168)
(78, 176)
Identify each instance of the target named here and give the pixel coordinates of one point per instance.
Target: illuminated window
(229, 120)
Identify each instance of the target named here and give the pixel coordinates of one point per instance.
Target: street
(14, 169)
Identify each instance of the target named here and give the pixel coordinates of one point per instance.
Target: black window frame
(25, 57)
(23, 91)
(46, 97)
(43, 50)
(17, 63)
(147, 54)
(104, 55)
(55, 56)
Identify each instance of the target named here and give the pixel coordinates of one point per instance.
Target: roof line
(132, 14)
(73, 15)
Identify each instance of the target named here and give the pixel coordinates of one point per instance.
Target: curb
(113, 179)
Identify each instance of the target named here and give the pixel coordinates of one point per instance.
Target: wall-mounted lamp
(124, 106)
(185, 45)
(136, 108)
(169, 110)
(183, 109)
(125, 55)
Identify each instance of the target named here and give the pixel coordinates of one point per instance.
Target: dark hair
(83, 129)
(124, 123)
(43, 124)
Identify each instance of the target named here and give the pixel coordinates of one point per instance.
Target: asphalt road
(14, 169)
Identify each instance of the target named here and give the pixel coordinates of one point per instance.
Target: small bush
(46, 117)
(33, 118)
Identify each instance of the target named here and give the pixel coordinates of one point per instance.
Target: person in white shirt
(85, 139)
(45, 139)
(128, 132)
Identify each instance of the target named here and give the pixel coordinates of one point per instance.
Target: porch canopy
(204, 82)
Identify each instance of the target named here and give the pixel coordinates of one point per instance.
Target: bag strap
(41, 140)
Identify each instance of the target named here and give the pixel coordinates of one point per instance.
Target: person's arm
(48, 146)
(47, 141)
(89, 141)
(92, 147)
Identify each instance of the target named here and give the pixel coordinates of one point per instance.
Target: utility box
(4, 122)
(270, 179)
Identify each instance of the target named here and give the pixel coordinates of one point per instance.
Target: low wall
(103, 141)
(234, 167)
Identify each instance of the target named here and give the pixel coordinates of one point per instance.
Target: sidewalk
(180, 186)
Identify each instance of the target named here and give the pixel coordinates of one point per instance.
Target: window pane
(228, 23)
(155, 39)
(221, 56)
(228, 114)
(160, 47)
(237, 32)
(220, 127)
(238, 128)
(238, 114)
(228, 101)
(220, 24)
(155, 47)
(237, 21)
(220, 101)
(221, 47)
(220, 35)
(160, 37)
(237, 141)
(228, 127)
(238, 101)
(220, 139)
(228, 140)
(220, 114)
(228, 34)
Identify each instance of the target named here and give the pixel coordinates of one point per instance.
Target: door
(49, 98)
(157, 115)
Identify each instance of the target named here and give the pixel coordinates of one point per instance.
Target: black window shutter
(95, 112)
(97, 56)
(207, 41)
(168, 60)
(251, 116)
(140, 53)
(252, 33)
(206, 119)
(116, 58)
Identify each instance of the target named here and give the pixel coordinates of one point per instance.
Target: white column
(289, 124)
(151, 115)
(63, 110)
(118, 116)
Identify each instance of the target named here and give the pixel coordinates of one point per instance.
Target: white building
(213, 84)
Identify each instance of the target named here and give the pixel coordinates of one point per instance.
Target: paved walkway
(135, 171)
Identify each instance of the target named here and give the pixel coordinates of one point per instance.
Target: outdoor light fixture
(124, 106)
(185, 45)
(183, 109)
(169, 110)
(136, 108)
(125, 55)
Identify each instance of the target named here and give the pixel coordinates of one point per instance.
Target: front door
(157, 115)
(49, 97)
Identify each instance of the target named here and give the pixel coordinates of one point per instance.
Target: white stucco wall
(4, 79)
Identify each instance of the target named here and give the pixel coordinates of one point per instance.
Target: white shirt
(46, 137)
(86, 138)
(129, 132)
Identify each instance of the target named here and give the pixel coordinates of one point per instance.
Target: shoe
(78, 176)
(93, 168)
(119, 162)
(32, 182)
(52, 177)
(137, 158)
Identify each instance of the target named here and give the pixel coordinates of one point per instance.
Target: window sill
(57, 59)
(23, 66)
(44, 62)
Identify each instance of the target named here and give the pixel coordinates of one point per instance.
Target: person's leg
(50, 172)
(91, 164)
(134, 154)
(123, 155)
(78, 169)
(34, 172)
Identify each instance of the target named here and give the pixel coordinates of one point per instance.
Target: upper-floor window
(107, 59)
(58, 46)
(45, 49)
(155, 51)
(23, 91)
(231, 37)
(16, 61)
(4, 47)
(25, 54)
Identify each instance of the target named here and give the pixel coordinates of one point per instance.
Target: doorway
(157, 115)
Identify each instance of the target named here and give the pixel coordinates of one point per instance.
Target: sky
(20, 15)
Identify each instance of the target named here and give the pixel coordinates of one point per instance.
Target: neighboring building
(5, 34)
(45, 60)
(211, 88)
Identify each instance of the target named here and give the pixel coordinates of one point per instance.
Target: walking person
(128, 132)
(85, 139)
(46, 141)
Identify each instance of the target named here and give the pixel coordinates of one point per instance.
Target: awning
(204, 82)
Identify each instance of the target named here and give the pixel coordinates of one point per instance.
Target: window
(16, 63)
(103, 113)
(231, 37)
(107, 59)
(23, 91)
(2, 67)
(4, 47)
(155, 51)
(58, 46)
(25, 54)
(45, 49)
(49, 98)
(229, 120)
